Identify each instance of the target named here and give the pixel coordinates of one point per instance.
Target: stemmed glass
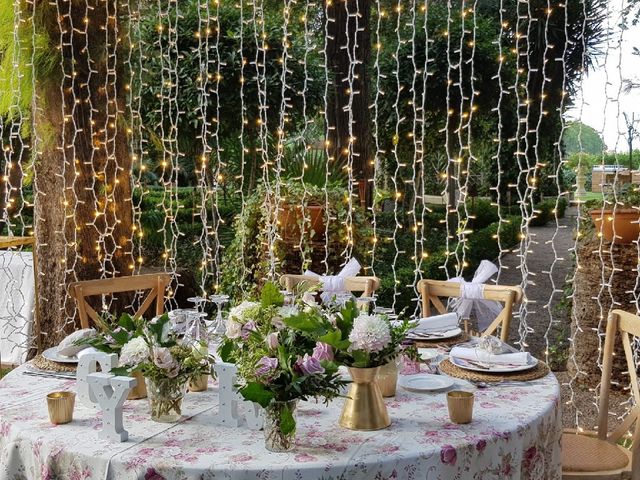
(218, 324)
(365, 304)
(198, 302)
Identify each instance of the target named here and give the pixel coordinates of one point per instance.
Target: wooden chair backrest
(431, 290)
(155, 283)
(627, 325)
(366, 285)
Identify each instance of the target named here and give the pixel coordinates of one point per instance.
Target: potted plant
(363, 343)
(617, 217)
(278, 366)
(167, 362)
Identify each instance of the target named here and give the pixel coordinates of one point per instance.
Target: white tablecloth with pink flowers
(515, 434)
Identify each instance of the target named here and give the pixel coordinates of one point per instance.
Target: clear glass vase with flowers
(167, 361)
(277, 365)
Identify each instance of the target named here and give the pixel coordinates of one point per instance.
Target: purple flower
(322, 351)
(448, 455)
(266, 365)
(272, 340)
(481, 445)
(247, 328)
(151, 474)
(309, 365)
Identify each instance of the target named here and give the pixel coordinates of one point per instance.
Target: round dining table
(515, 434)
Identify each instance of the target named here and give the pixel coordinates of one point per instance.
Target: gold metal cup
(387, 378)
(199, 384)
(61, 407)
(460, 406)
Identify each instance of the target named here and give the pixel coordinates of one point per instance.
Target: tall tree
(348, 54)
(83, 213)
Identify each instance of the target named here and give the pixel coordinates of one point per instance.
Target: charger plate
(540, 370)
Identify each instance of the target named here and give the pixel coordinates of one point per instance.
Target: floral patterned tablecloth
(515, 434)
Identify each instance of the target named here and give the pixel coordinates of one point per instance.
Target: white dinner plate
(53, 355)
(491, 368)
(427, 354)
(432, 335)
(424, 382)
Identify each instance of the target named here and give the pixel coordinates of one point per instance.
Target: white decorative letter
(229, 400)
(87, 364)
(111, 392)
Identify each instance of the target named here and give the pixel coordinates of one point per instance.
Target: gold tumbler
(199, 384)
(387, 378)
(460, 406)
(364, 407)
(140, 390)
(61, 407)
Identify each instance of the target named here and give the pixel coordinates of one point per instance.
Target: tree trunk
(348, 115)
(83, 209)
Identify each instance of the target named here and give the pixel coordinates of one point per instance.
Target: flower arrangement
(278, 365)
(358, 339)
(167, 361)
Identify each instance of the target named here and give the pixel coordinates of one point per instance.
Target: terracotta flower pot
(291, 217)
(621, 223)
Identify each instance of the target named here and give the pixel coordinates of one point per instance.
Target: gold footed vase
(140, 390)
(364, 409)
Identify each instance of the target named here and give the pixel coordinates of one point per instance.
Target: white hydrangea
(288, 311)
(134, 352)
(370, 333)
(240, 312)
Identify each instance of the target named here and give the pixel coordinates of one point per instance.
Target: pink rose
(266, 365)
(322, 351)
(309, 365)
(272, 340)
(448, 455)
(247, 328)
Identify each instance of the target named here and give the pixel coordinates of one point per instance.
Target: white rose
(234, 329)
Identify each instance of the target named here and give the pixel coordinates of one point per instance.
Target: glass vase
(165, 398)
(275, 440)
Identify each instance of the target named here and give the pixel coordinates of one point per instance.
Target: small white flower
(370, 333)
(234, 329)
(134, 352)
(288, 311)
(241, 313)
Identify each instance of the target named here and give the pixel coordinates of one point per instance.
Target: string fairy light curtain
(227, 142)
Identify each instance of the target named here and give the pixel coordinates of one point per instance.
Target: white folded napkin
(437, 323)
(68, 347)
(87, 351)
(478, 355)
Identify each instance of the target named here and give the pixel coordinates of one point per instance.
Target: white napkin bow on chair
(472, 296)
(334, 284)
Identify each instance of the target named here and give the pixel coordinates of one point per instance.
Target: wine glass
(198, 302)
(218, 327)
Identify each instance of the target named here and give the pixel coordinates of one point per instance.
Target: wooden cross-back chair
(155, 283)
(597, 455)
(431, 290)
(366, 285)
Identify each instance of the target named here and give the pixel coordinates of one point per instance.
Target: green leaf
(256, 392)
(121, 337)
(226, 351)
(287, 422)
(271, 296)
(156, 327)
(127, 322)
(334, 338)
(305, 323)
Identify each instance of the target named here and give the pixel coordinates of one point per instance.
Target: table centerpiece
(278, 365)
(167, 361)
(363, 343)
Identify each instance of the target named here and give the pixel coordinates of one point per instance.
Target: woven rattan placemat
(439, 342)
(43, 364)
(541, 370)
